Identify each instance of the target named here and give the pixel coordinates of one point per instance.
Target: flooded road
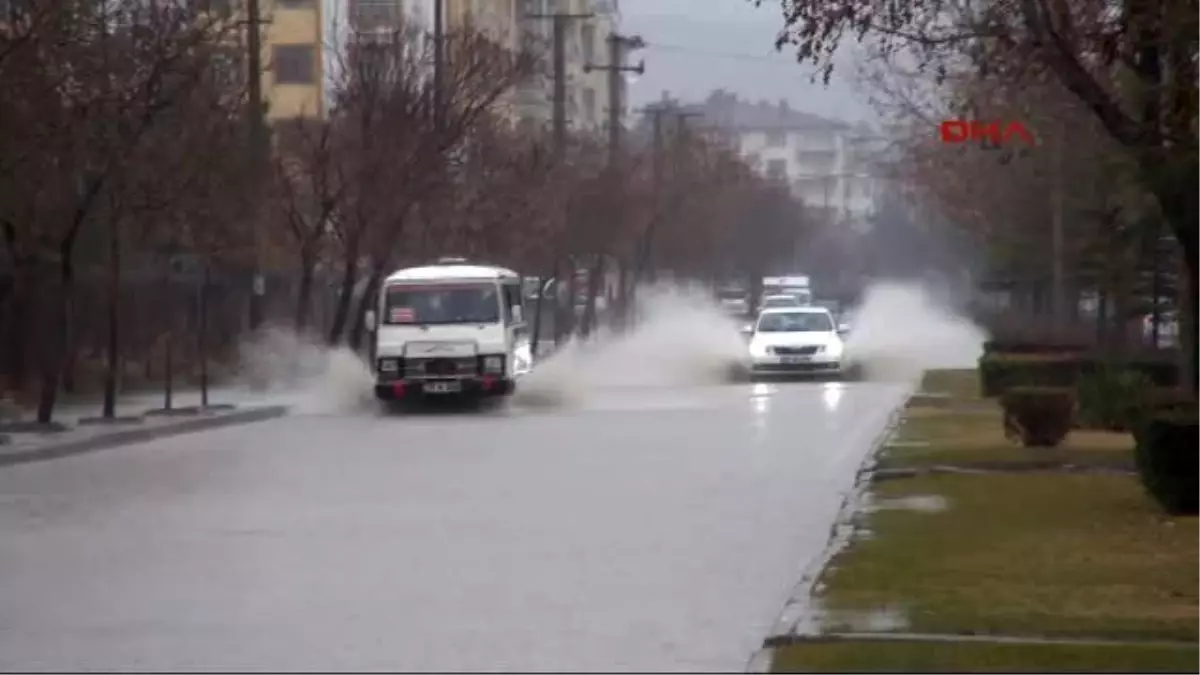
(647, 529)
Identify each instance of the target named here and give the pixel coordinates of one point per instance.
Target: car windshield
(457, 303)
(795, 322)
(781, 301)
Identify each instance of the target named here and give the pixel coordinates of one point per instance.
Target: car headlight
(388, 365)
(759, 350)
(834, 349)
(493, 364)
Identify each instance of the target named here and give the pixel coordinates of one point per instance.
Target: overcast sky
(696, 46)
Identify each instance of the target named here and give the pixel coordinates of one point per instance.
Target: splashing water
(900, 330)
(315, 377)
(681, 338)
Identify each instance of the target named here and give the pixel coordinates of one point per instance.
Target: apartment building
(586, 42)
(827, 163)
(295, 58)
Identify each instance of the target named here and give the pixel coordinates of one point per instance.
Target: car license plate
(443, 387)
(796, 359)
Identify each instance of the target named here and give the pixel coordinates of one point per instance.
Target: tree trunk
(304, 293)
(564, 325)
(168, 371)
(1188, 325)
(57, 338)
(202, 334)
(539, 307)
(755, 286)
(112, 362)
(345, 295)
(370, 294)
(16, 327)
(595, 281)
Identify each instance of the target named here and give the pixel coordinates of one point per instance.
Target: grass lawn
(891, 657)
(962, 385)
(968, 430)
(1034, 554)
(977, 437)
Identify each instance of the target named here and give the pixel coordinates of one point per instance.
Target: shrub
(1156, 400)
(1167, 460)
(998, 372)
(1038, 416)
(1162, 372)
(1109, 398)
(1018, 346)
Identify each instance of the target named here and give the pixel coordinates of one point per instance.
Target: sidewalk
(77, 426)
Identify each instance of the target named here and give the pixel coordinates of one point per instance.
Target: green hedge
(1038, 416)
(1017, 346)
(1168, 460)
(1000, 370)
(1111, 398)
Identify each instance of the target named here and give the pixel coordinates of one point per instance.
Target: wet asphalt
(641, 530)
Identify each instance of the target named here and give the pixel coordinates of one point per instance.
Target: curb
(131, 436)
(840, 536)
(943, 638)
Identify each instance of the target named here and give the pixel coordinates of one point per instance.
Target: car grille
(442, 367)
(794, 367)
(805, 351)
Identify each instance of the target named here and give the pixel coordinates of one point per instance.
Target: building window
(295, 64)
(776, 138)
(218, 7)
(777, 168)
(816, 161)
(589, 105)
(588, 40)
(375, 14)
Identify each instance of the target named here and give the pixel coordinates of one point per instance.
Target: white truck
(797, 286)
(450, 328)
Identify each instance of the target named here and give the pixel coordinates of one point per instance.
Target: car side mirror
(843, 328)
(748, 330)
(369, 320)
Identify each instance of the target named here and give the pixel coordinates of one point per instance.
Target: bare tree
(308, 193)
(398, 155)
(98, 79)
(1133, 66)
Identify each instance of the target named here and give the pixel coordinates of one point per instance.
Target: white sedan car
(796, 340)
(779, 301)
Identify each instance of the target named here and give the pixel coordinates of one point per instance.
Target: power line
(735, 56)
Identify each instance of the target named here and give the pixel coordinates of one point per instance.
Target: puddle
(907, 444)
(820, 621)
(922, 503)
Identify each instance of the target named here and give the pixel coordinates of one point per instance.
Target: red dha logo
(995, 133)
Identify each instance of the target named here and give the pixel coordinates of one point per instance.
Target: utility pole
(258, 145)
(559, 64)
(1058, 300)
(643, 262)
(617, 46)
(439, 63)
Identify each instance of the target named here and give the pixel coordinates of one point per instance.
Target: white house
(826, 163)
